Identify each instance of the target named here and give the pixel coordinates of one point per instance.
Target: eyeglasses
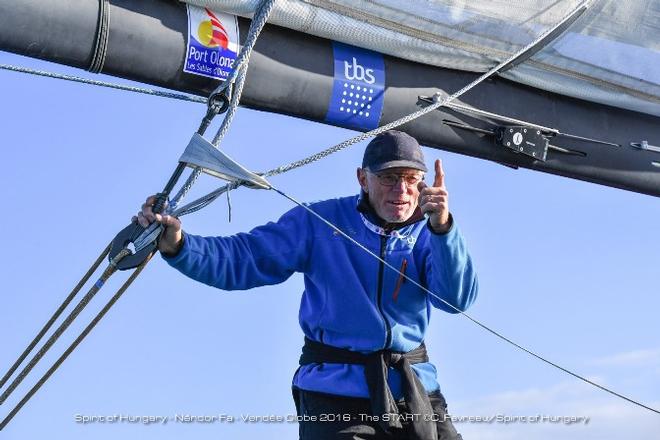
(391, 179)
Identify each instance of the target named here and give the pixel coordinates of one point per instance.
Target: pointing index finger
(439, 174)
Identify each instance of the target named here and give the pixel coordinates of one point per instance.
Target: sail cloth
(610, 55)
(201, 153)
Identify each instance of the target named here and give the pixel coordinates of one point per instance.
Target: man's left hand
(434, 200)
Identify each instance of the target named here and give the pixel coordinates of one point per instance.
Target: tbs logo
(356, 72)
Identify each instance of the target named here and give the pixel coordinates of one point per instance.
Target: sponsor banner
(358, 88)
(212, 43)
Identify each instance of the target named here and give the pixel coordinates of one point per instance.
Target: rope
(75, 343)
(474, 320)
(56, 315)
(210, 197)
(126, 88)
(256, 26)
(236, 79)
(200, 203)
(229, 116)
(112, 268)
(238, 76)
(440, 103)
(101, 39)
(207, 199)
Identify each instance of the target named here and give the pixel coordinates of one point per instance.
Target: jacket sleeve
(268, 254)
(450, 272)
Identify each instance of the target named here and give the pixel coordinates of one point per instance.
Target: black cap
(393, 149)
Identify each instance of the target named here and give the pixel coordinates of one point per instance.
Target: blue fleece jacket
(351, 300)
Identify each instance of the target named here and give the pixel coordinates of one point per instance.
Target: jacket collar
(370, 214)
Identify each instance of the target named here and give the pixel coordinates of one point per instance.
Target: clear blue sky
(567, 268)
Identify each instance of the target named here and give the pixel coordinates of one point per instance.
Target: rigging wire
(93, 82)
(468, 316)
(440, 102)
(237, 75)
(53, 318)
(67, 321)
(204, 201)
(203, 100)
(79, 339)
(237, 79)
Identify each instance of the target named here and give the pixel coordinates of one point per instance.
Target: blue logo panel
(358, 88)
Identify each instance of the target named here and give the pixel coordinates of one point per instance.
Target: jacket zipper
(381, 270)
(401, 280)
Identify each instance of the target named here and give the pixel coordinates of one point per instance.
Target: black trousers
(329, 417)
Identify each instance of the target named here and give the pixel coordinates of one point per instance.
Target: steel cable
(457, 310)
(112, 268)
(75, 343)
(56, 315)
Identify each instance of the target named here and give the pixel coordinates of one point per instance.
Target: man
(364, 372)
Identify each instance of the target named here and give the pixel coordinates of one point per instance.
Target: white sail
(610, 55)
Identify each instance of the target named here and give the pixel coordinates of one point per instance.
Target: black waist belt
(376, 370)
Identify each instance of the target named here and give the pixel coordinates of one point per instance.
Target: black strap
(376, 371)
(101, 38)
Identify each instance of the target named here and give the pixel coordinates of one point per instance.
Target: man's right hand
(171, 240)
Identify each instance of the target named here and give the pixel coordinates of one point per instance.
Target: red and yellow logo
(211, 33)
